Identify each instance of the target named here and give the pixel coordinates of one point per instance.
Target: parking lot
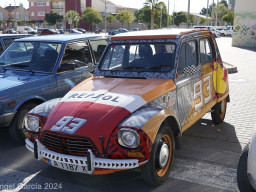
(206, 162)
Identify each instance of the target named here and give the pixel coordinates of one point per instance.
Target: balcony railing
(57, 7)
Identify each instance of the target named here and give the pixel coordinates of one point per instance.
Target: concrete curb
(230, 68)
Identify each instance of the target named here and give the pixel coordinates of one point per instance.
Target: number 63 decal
(62, 124)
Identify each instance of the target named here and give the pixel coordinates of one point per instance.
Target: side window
(8, 42)
(77, 53)
(98, 47)
(206, 54)
(1, 48)
(188, 56)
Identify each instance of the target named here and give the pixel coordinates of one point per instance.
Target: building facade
(244, 33)
(16, 13)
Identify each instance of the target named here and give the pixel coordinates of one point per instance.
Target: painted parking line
(205, 174)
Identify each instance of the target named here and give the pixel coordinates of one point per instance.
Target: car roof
(156, 34)
(14, 35)
(60, 38)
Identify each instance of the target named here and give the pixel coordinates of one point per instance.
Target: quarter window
(206, 54)
(98, 47)
(188, 56)
(77, 53)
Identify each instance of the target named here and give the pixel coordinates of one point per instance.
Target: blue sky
(180, 5)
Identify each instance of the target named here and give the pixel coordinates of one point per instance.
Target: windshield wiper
(159, 67)
(19, 65)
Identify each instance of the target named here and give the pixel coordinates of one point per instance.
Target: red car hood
(103, 103)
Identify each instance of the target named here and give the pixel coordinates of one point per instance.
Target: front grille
(70, 145)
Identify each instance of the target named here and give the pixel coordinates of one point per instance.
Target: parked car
(39, 31)
(211, 28)
(61, 31)
(148, 88)
(7, 39)
(121, 30)
(48, 32)
(10, 31)
(26, 30)
(73, 31)
(135, 29)
(36, 69)
(81, 30)
(246, 169)
(229, 30)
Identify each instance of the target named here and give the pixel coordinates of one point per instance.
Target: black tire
(242, 178)
(152, 172)
(219, 112)
(17, 126)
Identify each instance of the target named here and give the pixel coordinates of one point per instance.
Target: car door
(73, 67)
(207, 62)
(188, 83)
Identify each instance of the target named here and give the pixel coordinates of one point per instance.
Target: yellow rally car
(149, 87)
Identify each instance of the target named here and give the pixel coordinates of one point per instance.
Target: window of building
(32, 14)
(60, 13)
(17, 15)
(40, 13)
(83, 5)
(1, 15)
(32, 4)
(47, 4)
(60, 5)
(40, 3)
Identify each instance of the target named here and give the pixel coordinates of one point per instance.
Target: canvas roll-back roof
(156, 34)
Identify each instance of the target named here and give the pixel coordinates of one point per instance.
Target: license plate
(68, 166)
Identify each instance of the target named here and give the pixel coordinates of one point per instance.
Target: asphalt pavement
(207, 160)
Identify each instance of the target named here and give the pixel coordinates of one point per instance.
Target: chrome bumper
(88, 163)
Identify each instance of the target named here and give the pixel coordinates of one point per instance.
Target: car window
(148, 57)
(188, 56)
(206, 54)
(1, 48)
(31, 56)
(8, 41)
(77, 53)
(98, 47)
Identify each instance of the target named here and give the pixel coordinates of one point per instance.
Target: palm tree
(73, 16)
(152, 4)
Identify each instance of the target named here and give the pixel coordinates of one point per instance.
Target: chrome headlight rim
(37, 129)
(136, 135)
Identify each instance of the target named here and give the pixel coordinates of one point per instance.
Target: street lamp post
(161, 7)
(168, 14)
(188, 13)
(207, 12)
(105, 16)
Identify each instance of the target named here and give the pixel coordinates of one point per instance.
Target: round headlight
(128, 138)
(32, 123)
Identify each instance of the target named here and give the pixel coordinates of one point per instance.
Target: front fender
(45, 108)
(30, 98)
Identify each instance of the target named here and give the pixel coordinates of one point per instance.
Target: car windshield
(31, 56)
(148, 57)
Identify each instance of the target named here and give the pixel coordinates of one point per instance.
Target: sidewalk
(234, 56)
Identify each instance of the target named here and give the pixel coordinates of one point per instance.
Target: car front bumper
(6, 119)
(76, 163)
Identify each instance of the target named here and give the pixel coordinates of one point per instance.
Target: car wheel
(242, 178)
(158, 168)
(219, 112)
(17, 126)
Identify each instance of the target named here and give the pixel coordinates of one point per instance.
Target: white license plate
(68, 166)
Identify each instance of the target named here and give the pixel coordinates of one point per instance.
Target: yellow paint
(218, 74)
(135, 154)
(152, 126)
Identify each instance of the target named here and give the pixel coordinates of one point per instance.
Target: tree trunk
(152, 17)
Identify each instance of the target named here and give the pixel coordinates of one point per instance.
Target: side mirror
(66, 67)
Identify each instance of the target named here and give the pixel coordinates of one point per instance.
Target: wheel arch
(37, 100)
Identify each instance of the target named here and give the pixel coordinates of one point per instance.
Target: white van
(26, 30)
(211, 28)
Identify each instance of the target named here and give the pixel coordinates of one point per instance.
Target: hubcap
(163, 155)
